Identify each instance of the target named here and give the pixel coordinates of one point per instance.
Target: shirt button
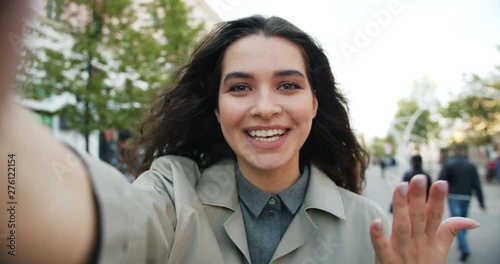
(272, 201)
(272, 213)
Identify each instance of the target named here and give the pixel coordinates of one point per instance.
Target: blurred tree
(112, 56)
(413, 122)
(479, 106)
(413, 116)
(379, 147)
(424, 127)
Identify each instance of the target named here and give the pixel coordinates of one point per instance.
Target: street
(484, 241)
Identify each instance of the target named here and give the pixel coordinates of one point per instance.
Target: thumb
(450, 227)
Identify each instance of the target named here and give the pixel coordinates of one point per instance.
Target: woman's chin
(269, 163)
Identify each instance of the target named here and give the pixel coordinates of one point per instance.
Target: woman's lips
(267, 138)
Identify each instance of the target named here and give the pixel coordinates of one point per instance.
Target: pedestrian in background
(416, 169)
(382, 166)
(463, 179)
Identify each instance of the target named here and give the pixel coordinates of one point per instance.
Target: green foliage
(378, 147)
(423, 129)
(479, 107)
(415, 113)
(111, 59)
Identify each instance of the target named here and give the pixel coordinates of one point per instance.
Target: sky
(379, 48)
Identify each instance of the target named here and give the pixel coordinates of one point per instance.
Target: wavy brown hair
(182, 120)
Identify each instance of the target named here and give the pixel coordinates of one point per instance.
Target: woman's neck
(270, 181)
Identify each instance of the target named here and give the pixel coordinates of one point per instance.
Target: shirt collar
(255, 199)
(294, 195)
(217, 187)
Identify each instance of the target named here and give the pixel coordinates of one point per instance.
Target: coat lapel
(300, 230)
(217, 187)
(322, 194)
(235, 229)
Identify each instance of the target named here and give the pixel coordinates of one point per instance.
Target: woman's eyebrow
(288, 73)
(245, 75)
(238, 75)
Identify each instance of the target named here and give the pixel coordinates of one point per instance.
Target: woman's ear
(315, 104)
(216, 111)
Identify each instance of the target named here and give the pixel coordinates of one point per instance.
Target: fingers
(409, 210)
(417, 231)
(450, 228)
(435, 207)
(417, 205)
(379, 241)
(401, 228)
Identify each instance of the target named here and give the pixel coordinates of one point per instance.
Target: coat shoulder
(356, 203)
(166, 170)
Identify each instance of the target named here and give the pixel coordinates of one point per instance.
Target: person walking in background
(382, 166)
(416, 168)
(463, 178)
(490, 171)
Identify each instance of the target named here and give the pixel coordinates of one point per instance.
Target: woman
(257, 106)
(254, 116)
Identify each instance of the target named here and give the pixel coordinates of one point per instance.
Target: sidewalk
(484, 241)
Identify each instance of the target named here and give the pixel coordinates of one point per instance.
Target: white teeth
(271, 139)
(273, 133)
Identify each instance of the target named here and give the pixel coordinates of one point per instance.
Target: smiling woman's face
(266, 105)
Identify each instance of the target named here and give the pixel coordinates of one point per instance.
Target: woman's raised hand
(418, 235)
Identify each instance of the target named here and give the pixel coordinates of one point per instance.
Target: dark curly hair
(182, 121)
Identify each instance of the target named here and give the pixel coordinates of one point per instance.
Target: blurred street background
(420, 76)
(416, 83)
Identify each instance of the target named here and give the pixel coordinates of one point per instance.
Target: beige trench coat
(174, 214)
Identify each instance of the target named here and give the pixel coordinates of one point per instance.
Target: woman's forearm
(46, 201)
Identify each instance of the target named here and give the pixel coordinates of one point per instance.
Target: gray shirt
(267, 216)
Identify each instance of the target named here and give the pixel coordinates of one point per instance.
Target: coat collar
(323, 194)
(217, 187)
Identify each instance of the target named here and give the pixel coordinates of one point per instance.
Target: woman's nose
(266, 105)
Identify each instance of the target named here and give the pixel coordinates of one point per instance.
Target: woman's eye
(239, 88)
(289, 86)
